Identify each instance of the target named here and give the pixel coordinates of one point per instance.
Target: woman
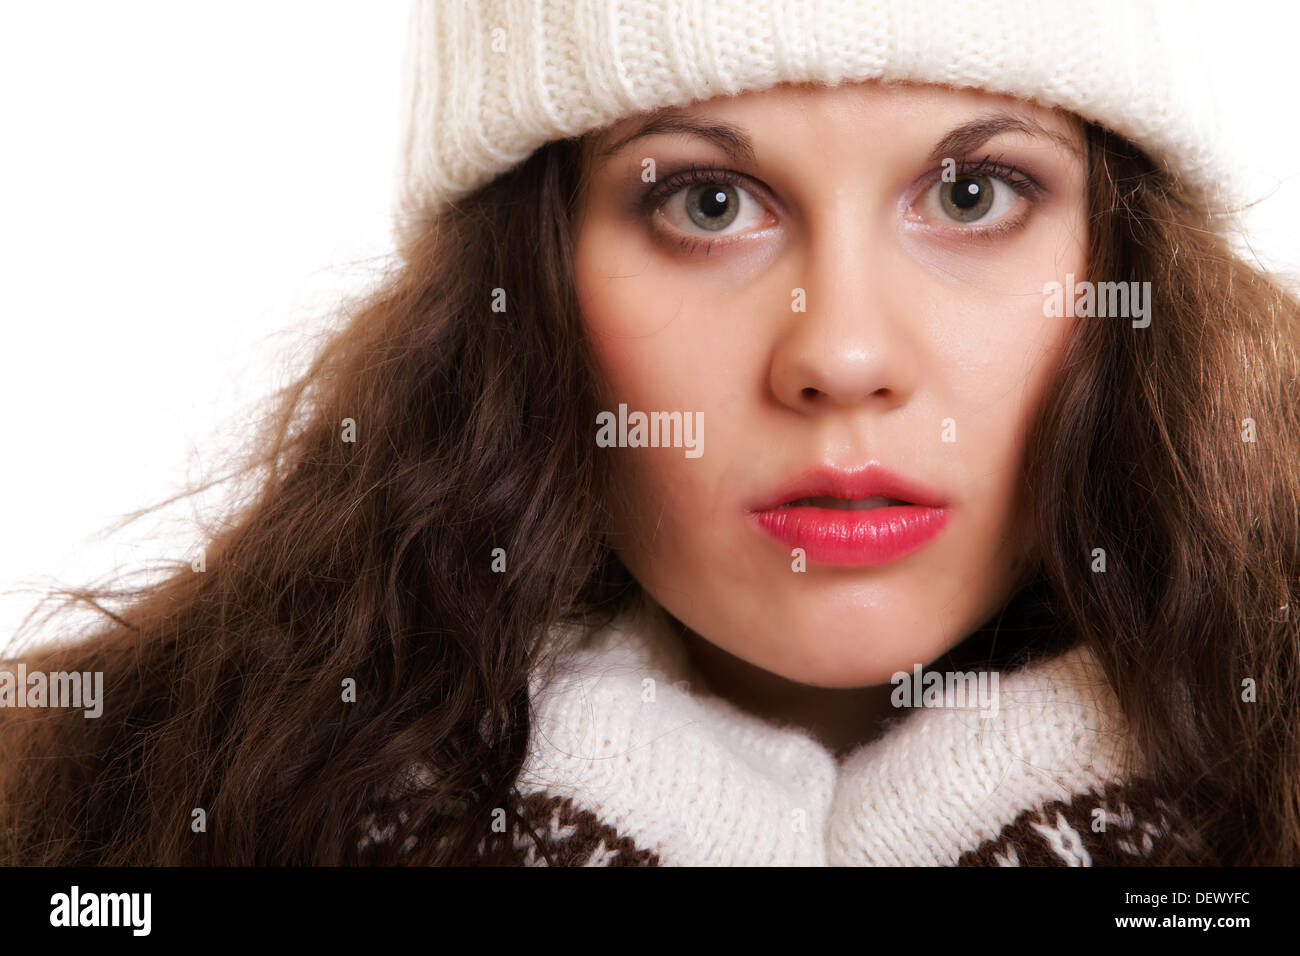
(988, 558)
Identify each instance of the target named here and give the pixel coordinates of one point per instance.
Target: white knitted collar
(701, 782)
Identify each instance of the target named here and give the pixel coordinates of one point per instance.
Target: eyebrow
(736, 143)
(732, 140)
(971, 136)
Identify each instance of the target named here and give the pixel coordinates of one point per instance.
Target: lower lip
(854, 539)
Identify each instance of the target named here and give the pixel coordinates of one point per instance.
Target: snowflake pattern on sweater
(1060, 833)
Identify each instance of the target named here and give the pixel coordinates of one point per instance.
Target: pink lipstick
(853, 519)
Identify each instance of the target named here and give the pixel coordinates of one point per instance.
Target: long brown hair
(370, 556)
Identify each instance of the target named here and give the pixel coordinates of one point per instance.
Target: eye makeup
(1012, 176)
(645, 204)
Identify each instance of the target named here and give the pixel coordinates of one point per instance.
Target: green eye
(712, 206)
(968, 199)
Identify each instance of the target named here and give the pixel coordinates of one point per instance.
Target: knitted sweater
(629, 765)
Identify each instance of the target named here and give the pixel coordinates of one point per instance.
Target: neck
(845, 719)
(842, 719)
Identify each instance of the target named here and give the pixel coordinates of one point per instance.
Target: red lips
(853, 538)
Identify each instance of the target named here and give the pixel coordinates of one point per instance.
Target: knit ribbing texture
(623, 731)
(486, 82)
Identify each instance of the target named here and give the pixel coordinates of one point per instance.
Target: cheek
(999, 368)
(654, 354)
(638, 335)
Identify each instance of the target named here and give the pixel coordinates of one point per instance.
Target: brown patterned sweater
(1058, 833)
(630, 767)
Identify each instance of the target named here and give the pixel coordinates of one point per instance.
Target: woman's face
(848, 295)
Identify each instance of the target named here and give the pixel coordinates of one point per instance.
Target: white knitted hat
(486, 82)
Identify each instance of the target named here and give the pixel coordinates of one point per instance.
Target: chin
(844, 651)
(849, 670)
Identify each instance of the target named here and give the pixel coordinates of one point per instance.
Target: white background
(186, 191)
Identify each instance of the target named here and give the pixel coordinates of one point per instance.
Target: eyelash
(660, 192)
(652, 198)
(1015, 177)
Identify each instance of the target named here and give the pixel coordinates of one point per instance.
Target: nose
(851, 345)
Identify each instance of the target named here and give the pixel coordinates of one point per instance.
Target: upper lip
(865, 482)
